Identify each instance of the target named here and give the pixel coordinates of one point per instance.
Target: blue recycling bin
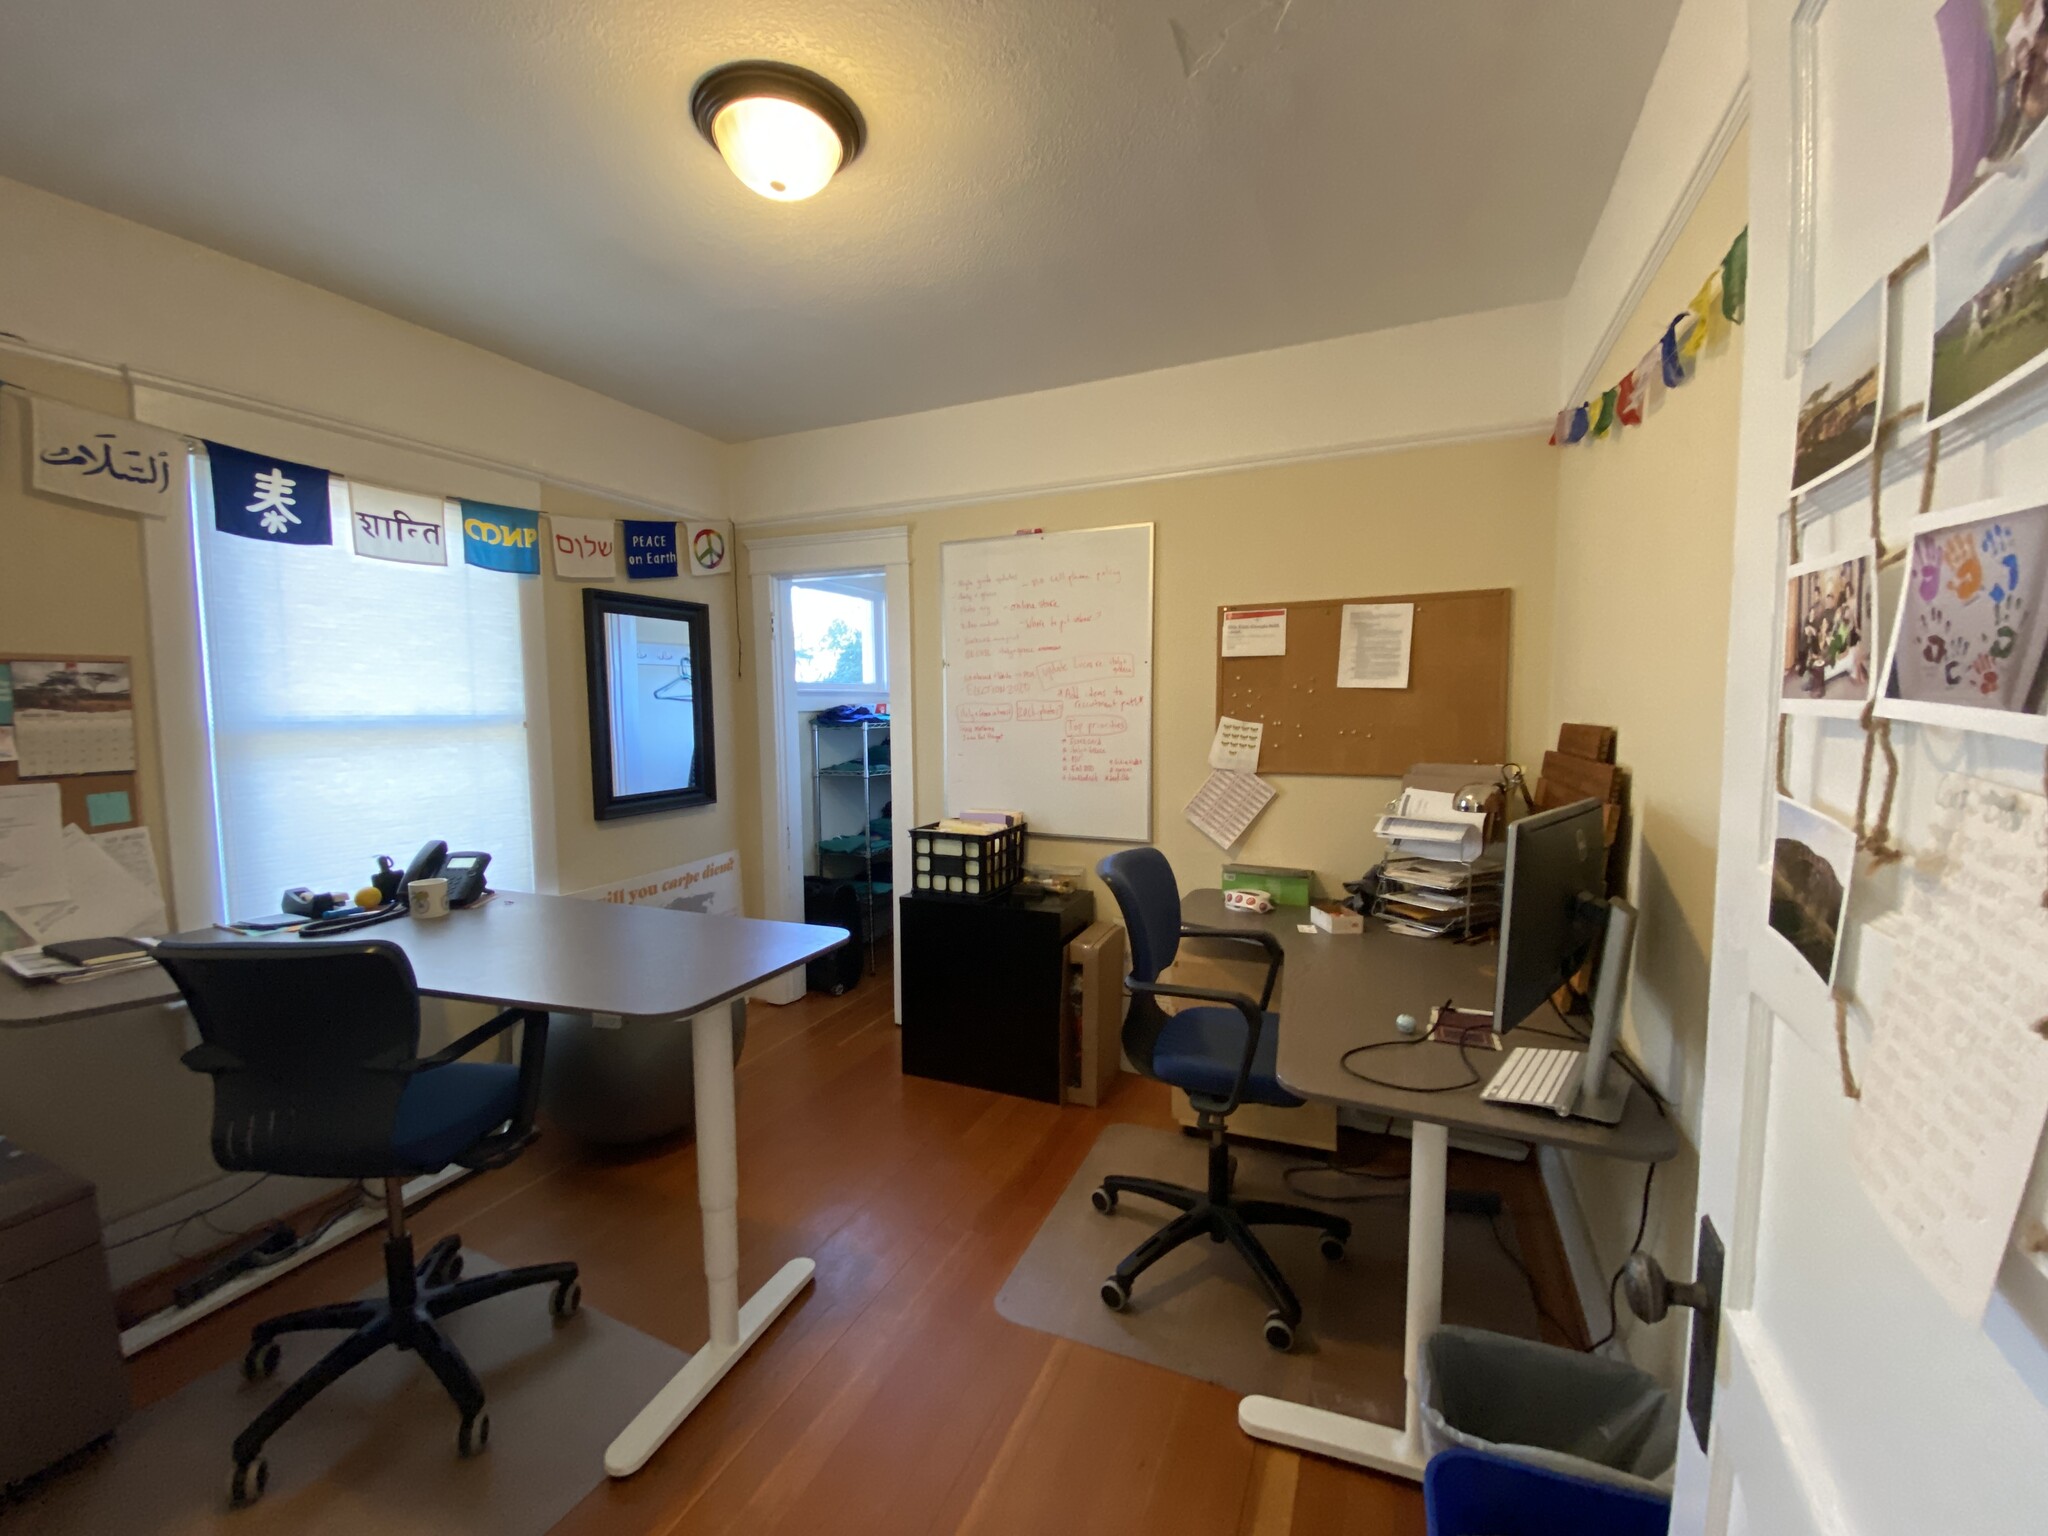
(1473, 1493)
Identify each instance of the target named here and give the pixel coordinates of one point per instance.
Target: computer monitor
(1551, 908)
(1553, 911)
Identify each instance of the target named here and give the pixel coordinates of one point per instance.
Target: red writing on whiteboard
(1040, 709)
(983, 714)
(1095, 725)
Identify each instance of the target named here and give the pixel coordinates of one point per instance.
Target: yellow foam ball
(369, 896)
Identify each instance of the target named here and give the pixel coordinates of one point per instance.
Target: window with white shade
(358, 707)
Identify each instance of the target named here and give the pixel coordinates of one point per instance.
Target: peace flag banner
(1605, 417)
(255, 497)
(650, 550)
(1649, 378)
(106, 460)
(1579, 424)
(1735, 279)
(1561, 429)
(397, 525)
(1708, 322)
(710, 549)
(1628, 409)
(501, 538)
(584, 546)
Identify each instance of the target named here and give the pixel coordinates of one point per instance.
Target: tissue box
(1287, 887)
(1332, 918)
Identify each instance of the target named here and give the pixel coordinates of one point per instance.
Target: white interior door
(1851, 1397)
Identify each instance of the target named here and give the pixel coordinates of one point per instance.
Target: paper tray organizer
(1442, 874)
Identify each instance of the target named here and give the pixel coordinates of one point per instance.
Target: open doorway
(832, 624)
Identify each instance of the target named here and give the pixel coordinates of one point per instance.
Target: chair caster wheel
(1104, 1200)
(1279, 1332)
(565, 1300)
(248, 1483)
(260, 1364)
(1116, 1293)
(443, 1264)
(1333, 1247)
(474, 1435)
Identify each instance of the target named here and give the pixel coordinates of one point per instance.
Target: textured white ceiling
(1052, 191)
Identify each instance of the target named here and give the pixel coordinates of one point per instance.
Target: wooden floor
(891, 1397)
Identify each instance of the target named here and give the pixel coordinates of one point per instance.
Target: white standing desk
(564, 954)
(1344, 990)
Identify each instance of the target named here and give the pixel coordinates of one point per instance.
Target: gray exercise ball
(619, 1086)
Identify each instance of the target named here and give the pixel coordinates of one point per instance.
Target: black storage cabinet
(982, 989)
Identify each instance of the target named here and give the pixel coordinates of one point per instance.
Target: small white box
(1332, 918)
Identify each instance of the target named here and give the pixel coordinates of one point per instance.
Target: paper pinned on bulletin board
(1374, 641)
(1225, 807)
(31, 842)
(72, 717)
(1955, 1089)
(1255, 632)
(1236, 747)
(104, 900)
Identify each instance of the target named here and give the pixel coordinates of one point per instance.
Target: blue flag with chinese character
(650, 550)
(501, 538)
(258, 497)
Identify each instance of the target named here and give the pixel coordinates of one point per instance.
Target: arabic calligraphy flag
(106, 460)
(501, 538)
(584, 546)
(710, 549)
(397, 525)
(256, 496)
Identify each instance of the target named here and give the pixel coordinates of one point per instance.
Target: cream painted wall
(590, 852)
(80, 281)
(1456, 379)
(1469, 515)
(1645, 548)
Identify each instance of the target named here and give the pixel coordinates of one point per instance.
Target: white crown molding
(799, 556)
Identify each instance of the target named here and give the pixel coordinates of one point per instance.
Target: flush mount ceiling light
(784, 131)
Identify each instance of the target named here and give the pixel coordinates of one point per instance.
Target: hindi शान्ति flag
(397, 525)
(501, 538)
(258, 497)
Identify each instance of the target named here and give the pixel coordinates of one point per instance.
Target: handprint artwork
(1971, 626)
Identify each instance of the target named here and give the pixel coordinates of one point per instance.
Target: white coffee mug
(429, 897)
(1248, 901)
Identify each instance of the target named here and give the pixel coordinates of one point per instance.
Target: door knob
(1652, 1294)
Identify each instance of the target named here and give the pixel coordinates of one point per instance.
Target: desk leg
(733, 1326)
(1360, 1441)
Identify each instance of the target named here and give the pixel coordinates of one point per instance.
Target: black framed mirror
(649, 661)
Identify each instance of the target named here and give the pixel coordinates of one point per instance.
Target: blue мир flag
(650, 550)
(501, 538)
(258, 497)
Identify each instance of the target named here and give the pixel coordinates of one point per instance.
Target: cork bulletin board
(1454, 709)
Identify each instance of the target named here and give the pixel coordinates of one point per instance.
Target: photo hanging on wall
(1990, 262)
(1829, 657)
(1970, 645)
(1813, 858)
(1840, 386)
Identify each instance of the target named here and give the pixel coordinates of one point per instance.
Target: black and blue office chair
(313, 1052)
(1221, 1056)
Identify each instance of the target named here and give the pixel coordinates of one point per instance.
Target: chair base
(417, 1296)
(1216, 1214)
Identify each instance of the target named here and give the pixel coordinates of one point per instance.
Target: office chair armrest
(211, 1059)
(469, 1042)
(1254, 1019)
(1274, 953)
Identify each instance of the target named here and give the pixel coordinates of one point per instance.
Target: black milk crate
(965, 866)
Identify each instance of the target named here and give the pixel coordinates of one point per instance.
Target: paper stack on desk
(1426, 824)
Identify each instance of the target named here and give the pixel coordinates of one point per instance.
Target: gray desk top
(523, 951)
(1344, 990)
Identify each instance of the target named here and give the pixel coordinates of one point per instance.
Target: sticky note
(108, 809)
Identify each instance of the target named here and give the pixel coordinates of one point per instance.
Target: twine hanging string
(1850, 1088)
(1785, 720)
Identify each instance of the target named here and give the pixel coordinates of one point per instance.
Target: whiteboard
(1048, 679)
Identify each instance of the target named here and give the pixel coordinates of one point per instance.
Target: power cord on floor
(185, 1221)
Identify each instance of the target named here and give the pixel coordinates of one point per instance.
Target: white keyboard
(1537, 1078)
